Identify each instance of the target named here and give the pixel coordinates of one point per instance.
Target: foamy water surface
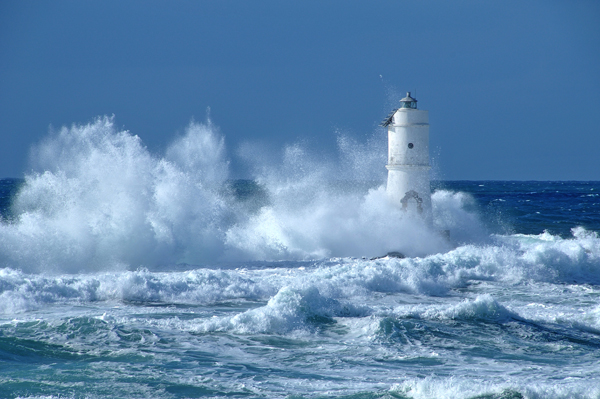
(128, 274)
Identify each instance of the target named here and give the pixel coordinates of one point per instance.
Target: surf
(97, 199)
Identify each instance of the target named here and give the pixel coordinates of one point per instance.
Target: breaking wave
(97, 199)
(516, 260)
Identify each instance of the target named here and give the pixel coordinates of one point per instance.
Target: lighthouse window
(410, 145)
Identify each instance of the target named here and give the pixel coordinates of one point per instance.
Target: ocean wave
(20, 292)
(514, 260)
(482, 308)
(290, 309)
(98, 200)
(466, 388)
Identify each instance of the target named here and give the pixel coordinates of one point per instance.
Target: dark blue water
(530, 207)
(8, 189)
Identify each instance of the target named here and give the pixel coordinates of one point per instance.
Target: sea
(131, 274)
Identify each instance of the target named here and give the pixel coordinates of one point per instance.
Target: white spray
(98, 200)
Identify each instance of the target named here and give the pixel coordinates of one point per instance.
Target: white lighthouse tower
(408, 158)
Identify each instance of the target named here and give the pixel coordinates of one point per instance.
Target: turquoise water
(129, 275)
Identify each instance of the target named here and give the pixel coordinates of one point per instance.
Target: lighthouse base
(409, 189)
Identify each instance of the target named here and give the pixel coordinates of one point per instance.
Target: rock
(393, 254)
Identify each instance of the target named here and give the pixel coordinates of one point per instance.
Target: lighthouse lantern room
(408, 166)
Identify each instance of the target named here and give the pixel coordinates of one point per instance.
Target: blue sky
(512, 87)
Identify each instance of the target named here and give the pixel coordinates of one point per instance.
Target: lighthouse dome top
(408, 102)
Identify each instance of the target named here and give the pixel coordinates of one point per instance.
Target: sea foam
(97, 199)
(290, 309)
(513, 260)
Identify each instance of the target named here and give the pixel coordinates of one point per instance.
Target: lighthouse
(408, 158)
